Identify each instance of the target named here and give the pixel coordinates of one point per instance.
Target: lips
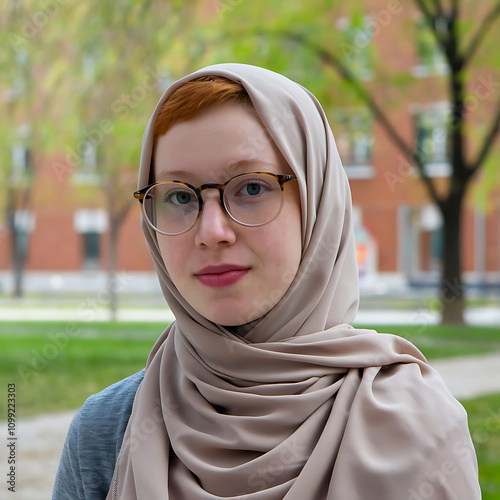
(221, 275)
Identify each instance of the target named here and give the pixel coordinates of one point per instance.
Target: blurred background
(412, 92)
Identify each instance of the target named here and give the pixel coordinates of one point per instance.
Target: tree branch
(439, 7)
(331, 60)
(427, 180)
(488, 142)
(431, 17)
(344, 72)
(481, 33)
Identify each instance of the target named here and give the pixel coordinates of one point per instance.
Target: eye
(252, 188)
(179, 197)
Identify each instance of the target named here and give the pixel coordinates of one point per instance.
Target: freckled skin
(204, 148)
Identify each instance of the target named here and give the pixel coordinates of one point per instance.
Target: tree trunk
(17, 265)
(117, 216)
(19, 253)
(112, 268)
(452, 289)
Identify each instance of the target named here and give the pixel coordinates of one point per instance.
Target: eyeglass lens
(250, 199)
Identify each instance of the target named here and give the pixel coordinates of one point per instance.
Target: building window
(19, 71)
(366, 247)
(91, 224)
(421, 242)
(356, 45)
(431, 60)
(23, 224)
(87, 173)
(89, 68)
(91, 250)
(21, 163)
(353, 135)
(431, 137)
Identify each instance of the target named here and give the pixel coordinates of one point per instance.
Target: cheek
(173, 254)
(291, 246)
(283, 251)
(293, 251)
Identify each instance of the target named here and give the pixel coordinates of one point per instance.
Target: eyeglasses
(251, 199)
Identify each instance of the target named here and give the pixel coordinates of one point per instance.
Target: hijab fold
(298, 404)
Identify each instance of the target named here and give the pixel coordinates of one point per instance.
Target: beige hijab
(298, 405)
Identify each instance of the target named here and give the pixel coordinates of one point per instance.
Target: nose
(214, 227)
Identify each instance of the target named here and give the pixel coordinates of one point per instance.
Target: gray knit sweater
(94, 441)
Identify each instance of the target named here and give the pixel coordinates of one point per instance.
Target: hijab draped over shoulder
(297, 405)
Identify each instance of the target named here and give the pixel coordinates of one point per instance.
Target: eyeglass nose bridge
(201, 202)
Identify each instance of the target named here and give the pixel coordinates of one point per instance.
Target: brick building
(398, 229)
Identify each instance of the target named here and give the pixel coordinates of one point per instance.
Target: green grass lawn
(436, 341)
(57, 365)
(484, 424)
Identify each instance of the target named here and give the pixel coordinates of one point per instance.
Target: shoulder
(104, 417)
(94, 440)
(111, 406)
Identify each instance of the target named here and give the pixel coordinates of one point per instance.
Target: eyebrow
(238, 166)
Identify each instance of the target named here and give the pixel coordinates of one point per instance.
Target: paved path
(481, 316)
(39, 445)
(470, 376)
(41, 438)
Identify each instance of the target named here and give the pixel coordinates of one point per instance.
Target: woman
(260, 389)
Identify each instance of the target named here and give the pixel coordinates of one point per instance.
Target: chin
(234, 320)
(227, 322)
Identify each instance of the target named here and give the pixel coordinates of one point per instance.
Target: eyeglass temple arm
(139, 195)
(285, 178)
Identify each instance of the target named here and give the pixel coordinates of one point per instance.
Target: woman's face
(229, 273)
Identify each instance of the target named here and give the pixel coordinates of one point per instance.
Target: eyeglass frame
(281, 178)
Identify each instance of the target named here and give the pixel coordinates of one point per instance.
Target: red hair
(195, 96)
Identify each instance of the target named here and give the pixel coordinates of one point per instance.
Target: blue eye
(179, 197)
(252, 189)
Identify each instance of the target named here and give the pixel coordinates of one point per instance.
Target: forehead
(221, 141)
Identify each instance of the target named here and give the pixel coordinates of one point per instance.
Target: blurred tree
(319, 43)
(19, 130)
(116, 60)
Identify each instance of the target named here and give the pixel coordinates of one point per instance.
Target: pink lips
(221, 275)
